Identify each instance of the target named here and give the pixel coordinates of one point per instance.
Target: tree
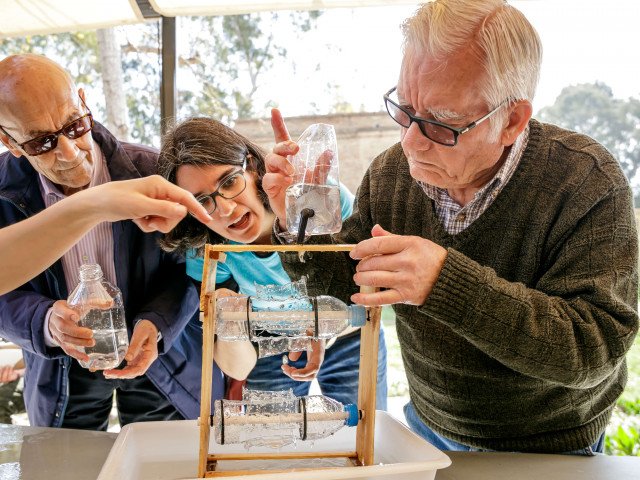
(224, 62)
(112, 82)
(227, 56)
(591, 108)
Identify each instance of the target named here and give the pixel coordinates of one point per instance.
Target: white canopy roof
(172, 8)
(20, 18)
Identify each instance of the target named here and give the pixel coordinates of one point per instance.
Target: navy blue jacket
(153, 283)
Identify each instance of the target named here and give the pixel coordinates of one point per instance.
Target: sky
(354, 54)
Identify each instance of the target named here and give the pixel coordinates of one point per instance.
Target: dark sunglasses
(436, 131)
(47, 142)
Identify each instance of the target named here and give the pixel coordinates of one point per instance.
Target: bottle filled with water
(281, 325)
(100, 308)
(315, 191)
(279, 418)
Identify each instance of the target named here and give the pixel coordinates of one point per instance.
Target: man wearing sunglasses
(507, 247)
(56, 150)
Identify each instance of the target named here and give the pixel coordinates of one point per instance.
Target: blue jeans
(338, 376)
(444, 443)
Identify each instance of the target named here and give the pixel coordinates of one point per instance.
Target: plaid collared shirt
(456, 218)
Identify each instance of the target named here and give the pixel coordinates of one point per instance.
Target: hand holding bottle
(66, 333)
(142, 352)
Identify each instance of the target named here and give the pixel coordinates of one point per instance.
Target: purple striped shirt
(97, 245)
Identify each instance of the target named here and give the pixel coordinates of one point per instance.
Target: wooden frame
(363, 453)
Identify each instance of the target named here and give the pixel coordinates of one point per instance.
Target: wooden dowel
(287, 418)
(278, 456)
(280, 248)
(271, 316)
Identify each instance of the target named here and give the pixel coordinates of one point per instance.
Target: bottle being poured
(313, 200)
(100, 308)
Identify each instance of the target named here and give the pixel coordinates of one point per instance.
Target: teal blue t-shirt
(247, 269)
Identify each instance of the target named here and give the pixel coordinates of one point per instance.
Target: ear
(11, 146)
(81, 94)
(519, 115)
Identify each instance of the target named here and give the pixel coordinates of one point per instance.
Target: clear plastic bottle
(279, 418)
(99, 306)
(316, 183)
(322, 317)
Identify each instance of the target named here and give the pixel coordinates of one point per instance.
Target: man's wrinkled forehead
(417, 69)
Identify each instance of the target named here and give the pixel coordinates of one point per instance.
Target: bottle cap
(354, 415)
(358, 315)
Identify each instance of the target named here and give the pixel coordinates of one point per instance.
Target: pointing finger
(280, 131)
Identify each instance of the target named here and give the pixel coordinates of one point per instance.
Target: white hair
(502, 38)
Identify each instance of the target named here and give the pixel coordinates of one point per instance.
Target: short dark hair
(205, 141)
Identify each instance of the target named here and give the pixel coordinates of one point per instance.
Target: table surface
(34, 453)
(529, 466)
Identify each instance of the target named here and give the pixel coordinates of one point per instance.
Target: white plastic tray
(169, 451)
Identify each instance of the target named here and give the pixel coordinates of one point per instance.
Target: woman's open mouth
(241, 223)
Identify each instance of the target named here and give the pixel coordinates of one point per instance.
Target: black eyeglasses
(229, 187)
(437, 131)
(47, 142)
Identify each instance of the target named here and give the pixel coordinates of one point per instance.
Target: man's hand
(64, 329)
(142, 352)
(9, 373)
(315, 357)
(406, 266)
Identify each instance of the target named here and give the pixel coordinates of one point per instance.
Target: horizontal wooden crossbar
(280, 248)
(278, 456)
(213, 459)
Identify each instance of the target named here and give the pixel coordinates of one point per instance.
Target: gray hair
(502, 38)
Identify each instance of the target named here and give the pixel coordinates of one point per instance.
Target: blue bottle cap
(358, 315)
(354, 415)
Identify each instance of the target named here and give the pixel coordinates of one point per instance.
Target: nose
(225, 206)
(413, 138)
(66, 150)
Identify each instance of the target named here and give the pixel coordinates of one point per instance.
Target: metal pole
(169, 67)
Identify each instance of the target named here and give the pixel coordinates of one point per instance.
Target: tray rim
(398, 468)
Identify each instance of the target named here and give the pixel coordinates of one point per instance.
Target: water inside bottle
(111, 343)
(325, 202)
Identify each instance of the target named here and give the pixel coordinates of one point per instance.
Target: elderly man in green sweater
(507, 247)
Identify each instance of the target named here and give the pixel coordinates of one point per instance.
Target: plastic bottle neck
(90, 272)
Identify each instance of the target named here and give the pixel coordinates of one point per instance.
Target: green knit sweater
(521, 344)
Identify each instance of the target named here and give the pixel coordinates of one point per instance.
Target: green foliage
(591, 108)
(224, 61)
(625, 441)
(141, 69)
(226, 58)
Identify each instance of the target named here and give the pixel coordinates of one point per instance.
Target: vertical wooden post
(367, 383)
(208, 304)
